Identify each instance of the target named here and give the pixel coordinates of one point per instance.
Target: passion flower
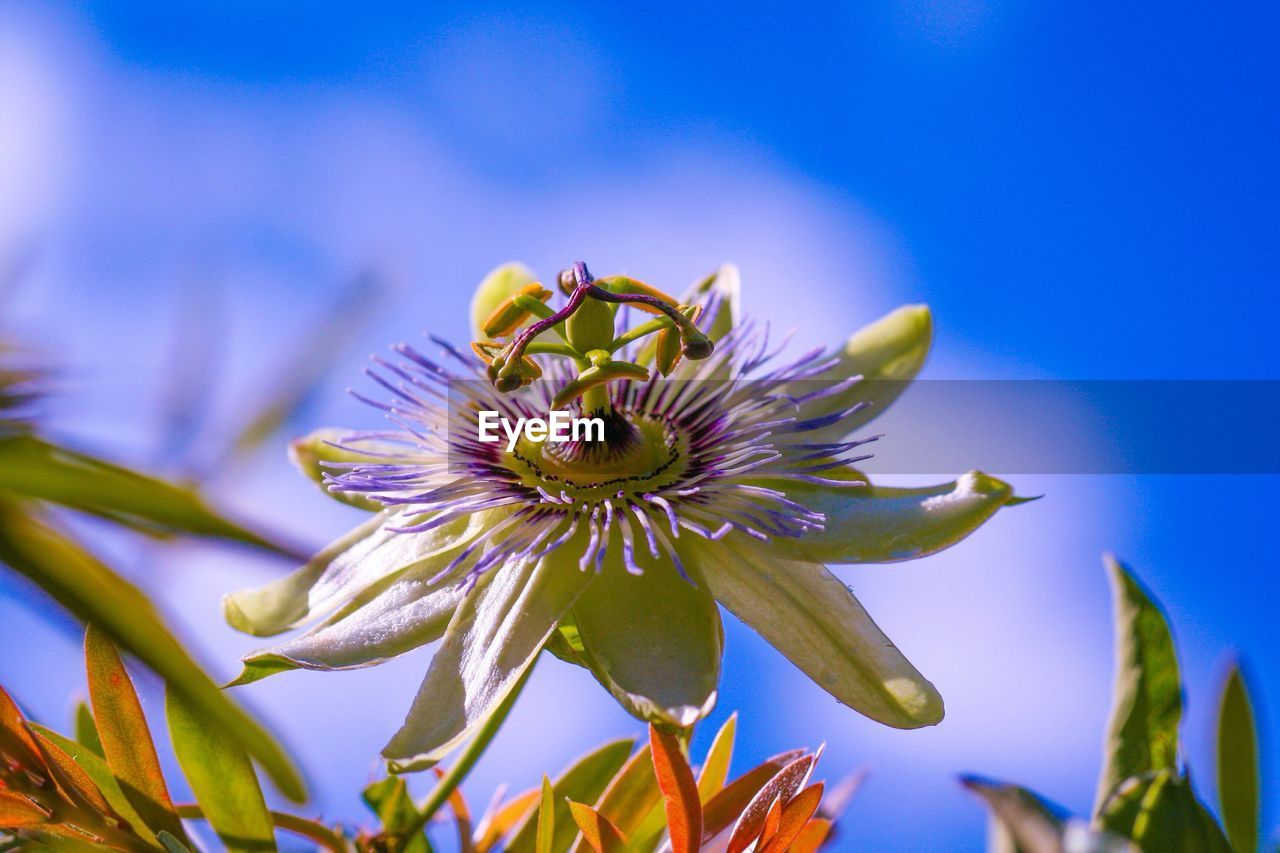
(727, 477)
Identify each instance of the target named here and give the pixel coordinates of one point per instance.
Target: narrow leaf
(17, 811)
(95, 767)
(679, 792)
(583, 782)
(812, 837)
(15, 740)
(500, 819)
(87, 729)
(1238, 769)
(783, 785)
(1147, 704)
(73, 781)
(597, 831)
(546, 818)
(631, 796)
(1160, 811)
(126, 739)
(715, 770)
(172, 844)
(725, 807)
(91, 591)
(34, 468)
(221, 777)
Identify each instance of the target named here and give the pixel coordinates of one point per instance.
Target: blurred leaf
(546, 819)
(221, 777)
(784, 785)
(126, 739)
(1238, 770)
(1030, 823)
(597, 831)
(87, 730)
(1159, 811)
(32, 468)
(171, 844)
(495, 825)
(715, 770)
(95, 767)
(86, 587)
(679, 792)
(1147, 703)
(631, 795)
(294, 384)
(583, 782)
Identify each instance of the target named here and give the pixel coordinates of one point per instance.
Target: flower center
(641, 453)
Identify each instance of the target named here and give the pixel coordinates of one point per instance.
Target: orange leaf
(680, 792)
(74, 783)
(632, 794)
(15, 740)
(16, 811)
(461, 815)
(724, 808)
(812, 836)
(126, 740)
(772, 819)
(597, 831)
(782, 786)
(793, 819)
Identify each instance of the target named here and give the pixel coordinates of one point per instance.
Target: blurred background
(187, 193)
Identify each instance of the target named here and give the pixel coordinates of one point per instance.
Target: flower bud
(510, 314)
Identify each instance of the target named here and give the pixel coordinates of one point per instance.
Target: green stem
(548, 348)
(458, 772)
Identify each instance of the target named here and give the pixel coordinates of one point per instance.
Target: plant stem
(458, 772)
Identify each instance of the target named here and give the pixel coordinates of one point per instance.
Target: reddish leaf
(74, 783)
(782, 786)
(597, 831)
(772, 819)
(724, 807)
(15, 740)
(679, 791)
(812, 836)
(794, 818)
(126, 739)
(17, 811)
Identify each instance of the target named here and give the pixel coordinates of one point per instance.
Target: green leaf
(1025, 821)
(582, 782)
(1238, 768)
(126, 738)
(33, 468)
(221, 777)
(87, 730)
(546, 819)
(715, 770)
(1159, 811)
(1147, 703)
(91, 591)
(501, 283)
(631, 795)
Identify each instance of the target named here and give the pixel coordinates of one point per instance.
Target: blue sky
(1079, 192)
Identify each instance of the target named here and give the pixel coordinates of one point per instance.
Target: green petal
(653, 640)
(878, 524)
(887, 354)
(367, 555)
(379, 625)
(494, 636)
(813, 619)
(500, 283)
